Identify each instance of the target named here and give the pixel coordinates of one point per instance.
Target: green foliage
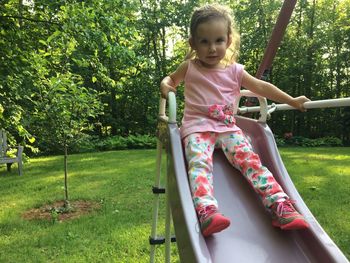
(88, 143)
(118, 51)
(130, 142)
(279, 141)
(63, 108)
(306, 142)
(330, 141)
(112, 143)
(141, 142)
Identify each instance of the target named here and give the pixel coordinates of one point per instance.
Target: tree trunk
(66, 200)
(306, 120)
(20, 12)
(114, 112)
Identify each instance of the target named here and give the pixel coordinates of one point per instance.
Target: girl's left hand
(298, 102)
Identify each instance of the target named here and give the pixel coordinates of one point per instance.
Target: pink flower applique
(223, 113)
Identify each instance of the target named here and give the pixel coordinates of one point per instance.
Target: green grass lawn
(121, 182)
(322, 177)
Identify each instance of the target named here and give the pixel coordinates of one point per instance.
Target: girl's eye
(220, 40)
(204, 41)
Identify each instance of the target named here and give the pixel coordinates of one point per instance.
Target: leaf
(43, 42)
(54, 35)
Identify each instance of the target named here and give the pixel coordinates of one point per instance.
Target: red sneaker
(211, 221)
(286, 217)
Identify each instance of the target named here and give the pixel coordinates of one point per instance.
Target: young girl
(212, 83)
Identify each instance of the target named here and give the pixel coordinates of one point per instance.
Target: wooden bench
(5, 158)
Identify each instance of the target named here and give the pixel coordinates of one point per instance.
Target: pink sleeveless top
(209, 98)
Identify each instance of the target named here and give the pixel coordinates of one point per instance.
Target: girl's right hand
(169, 83)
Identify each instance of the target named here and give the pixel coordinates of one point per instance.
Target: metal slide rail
(171, 108)
(265, 111)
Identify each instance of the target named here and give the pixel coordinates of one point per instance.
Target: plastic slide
(251, 237)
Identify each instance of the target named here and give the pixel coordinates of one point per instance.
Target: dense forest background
(62, 62)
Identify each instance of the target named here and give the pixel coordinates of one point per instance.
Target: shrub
(302, 141)
(306, 142)
(112, 143)
(329, 141)
(141, 142)
(88, 143)
(130, 142)
(279, 141)
(85, 143)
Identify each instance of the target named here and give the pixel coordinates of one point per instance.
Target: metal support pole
(167, 218)
(276, 36)
(274, 42)
(154, 240)
(171, 119)
(156, 198)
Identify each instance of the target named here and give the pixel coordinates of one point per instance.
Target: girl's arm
(271, 92)
(169, 83)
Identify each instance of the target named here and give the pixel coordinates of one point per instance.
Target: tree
(63, 109)
(65, 106)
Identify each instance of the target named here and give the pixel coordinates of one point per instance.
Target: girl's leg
(199, 149)
(239, 152)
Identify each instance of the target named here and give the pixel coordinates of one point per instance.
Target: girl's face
(210, 42)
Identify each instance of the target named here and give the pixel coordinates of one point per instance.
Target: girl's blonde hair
(211, 12)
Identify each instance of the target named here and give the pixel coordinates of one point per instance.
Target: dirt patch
(56, 211)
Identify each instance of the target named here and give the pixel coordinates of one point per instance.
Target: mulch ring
(56, 211)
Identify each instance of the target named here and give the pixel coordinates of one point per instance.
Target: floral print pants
(199, 148)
